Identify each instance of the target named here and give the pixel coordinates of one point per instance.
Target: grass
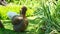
(31, 29)
(13, 8)
(50, 13)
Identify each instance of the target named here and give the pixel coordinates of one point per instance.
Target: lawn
(31, 29)
(43, 16)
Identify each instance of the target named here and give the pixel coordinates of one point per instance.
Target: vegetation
(43, 16)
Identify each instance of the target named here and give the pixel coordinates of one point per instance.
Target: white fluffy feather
(11, 14)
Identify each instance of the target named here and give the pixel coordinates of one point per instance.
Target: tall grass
(47, 12)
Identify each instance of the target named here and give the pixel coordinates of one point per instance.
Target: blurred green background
(41, 14)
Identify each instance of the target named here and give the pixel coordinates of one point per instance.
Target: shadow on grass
(7, 31)
(8, 27)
